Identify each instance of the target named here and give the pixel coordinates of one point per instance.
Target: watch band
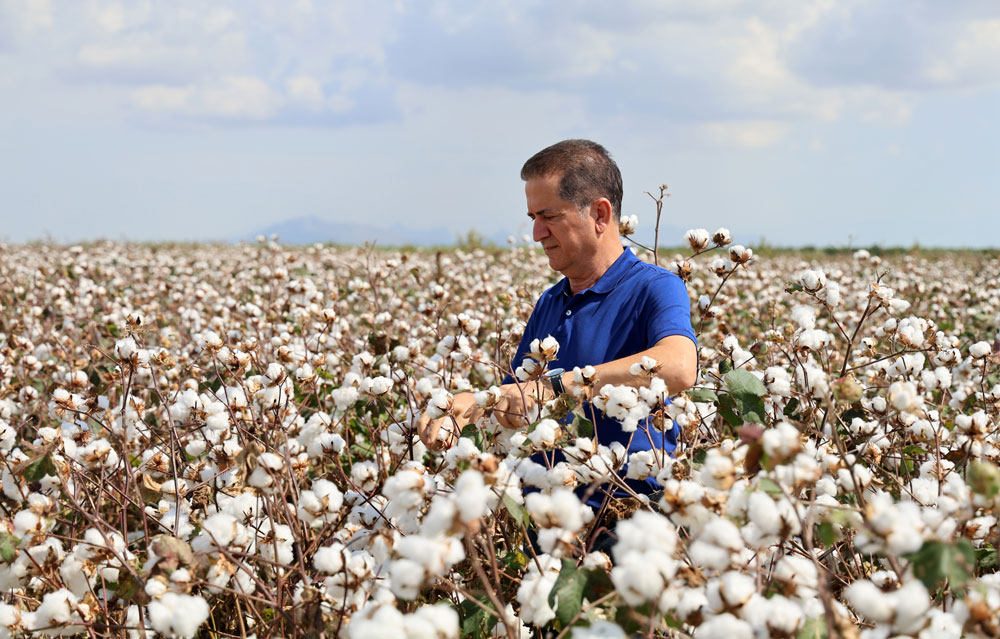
(555, 378)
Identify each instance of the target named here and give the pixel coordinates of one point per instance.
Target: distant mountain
(312, 229)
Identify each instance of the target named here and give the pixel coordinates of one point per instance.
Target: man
(610, 310)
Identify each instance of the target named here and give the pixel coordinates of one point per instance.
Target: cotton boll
(405, 578)
(441, 619)
(472, 496)
(869, 601)
(764, 514)
(724, 626)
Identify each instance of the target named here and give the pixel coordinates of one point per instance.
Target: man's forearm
(677, 366)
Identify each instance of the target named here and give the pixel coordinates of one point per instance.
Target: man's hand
(443, 432)
(517, 407)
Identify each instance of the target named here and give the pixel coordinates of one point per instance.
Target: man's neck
(600, 265)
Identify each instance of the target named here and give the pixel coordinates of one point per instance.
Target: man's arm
(677, 365)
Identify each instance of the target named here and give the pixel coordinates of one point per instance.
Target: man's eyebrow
(538, 212)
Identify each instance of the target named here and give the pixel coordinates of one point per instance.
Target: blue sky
(821, 122)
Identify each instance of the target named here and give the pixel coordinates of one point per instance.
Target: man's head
(586, 172)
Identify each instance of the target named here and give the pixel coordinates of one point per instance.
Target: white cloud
(974, 56)
(748, 134)
(244, 98)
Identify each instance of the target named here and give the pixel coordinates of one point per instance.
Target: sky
(793, 122)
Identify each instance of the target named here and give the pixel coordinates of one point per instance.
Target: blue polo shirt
(628, 310)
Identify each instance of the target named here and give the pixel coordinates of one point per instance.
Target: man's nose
(539, 230)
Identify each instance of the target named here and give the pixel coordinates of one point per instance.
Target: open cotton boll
(869, 601)
(177, 614)
(724, 626)
(472, 496)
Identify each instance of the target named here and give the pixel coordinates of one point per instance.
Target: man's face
(568, 236)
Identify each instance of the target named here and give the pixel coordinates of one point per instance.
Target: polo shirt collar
(606, 282)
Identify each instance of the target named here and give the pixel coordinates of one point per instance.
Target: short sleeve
(667, 310)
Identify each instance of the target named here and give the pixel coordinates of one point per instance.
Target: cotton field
(219, 441)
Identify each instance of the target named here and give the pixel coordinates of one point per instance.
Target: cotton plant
(241, 429)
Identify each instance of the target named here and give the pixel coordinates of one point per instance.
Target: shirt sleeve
(667, 310)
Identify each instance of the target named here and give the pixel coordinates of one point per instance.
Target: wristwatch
(555, 379)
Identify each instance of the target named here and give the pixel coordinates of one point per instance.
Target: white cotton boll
(528, 369)
(275, 374)
(156, 587)
(911, 603)
(377, 621)
(125, 348)
(869, 601)
(439, 404)
(221, 527)
(804, 316)
(697, 239)
(904, 397)
(763, 512)
(26, 522)
(736, 588)
(472, 496)
(441, 618)
(812, 280)
(365, 475)
(260, 478)
(943, 625)
(58, 609)
(640, 464)
(377, 386)
(217, 421)
(545, 434)
(628, 225)
(270, 461)
(980, 350)
(814, 339)
(781, 441)
(724, 626)
(345, 397)
(405, 578)
(329, 559)
(274, 542)
(533, 593)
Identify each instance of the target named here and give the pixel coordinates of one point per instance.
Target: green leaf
(567, 592)
(518, 512)
(725, 366)
(8, 547)
(741, 382)
(39, 468)
(472, 432)
(826, 533)
(581, 426)
(703, 395)
(812, 629)
(937, 562)
(476, 622)
(632, 620)
(598, 584)
(986, 560)
(727, 408)
(515, 559)
(913, 449)
(984, 479)
(791, 407)
(747, 391)
(769, 486)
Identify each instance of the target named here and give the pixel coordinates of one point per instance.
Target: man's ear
(600, 209)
